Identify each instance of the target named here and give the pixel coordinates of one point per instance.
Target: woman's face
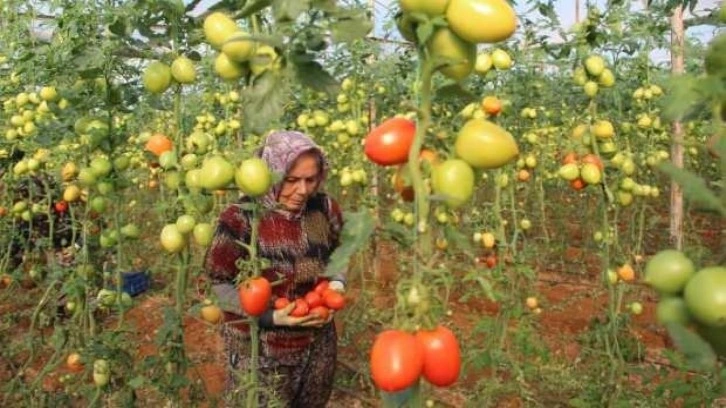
(300, 182)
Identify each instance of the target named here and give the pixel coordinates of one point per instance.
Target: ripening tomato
(442, 356)
(254, 295)
(158, 144)
(570, 157)
(333, 299)
(389, 143)
(301, 308)
(396, 359)
(592, 159)
(313, 299)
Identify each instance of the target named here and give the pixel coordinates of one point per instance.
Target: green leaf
(357, 230)
(136, 382)
(289, 10)
(351, 29)
(313, 75)
(264, 101)
(699, 354)
(694, 187)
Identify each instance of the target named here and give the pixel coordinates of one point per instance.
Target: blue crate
(135, 282)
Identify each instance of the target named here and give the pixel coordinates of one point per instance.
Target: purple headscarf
(280, 151)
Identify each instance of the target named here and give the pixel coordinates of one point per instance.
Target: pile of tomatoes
(319, 301)
(255, 295)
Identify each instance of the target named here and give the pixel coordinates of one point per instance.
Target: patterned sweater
(298, 247)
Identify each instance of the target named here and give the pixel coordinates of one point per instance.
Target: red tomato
(442, 356)
(333, 299)
(389, 143)
(281, 303)
(301, 308)
(254, 296)
(320, 287)
(321, 311)
(313, 299)
(61, 206)
(397, 359)
(491, 261)
(578, 184)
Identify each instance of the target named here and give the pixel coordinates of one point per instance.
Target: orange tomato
(158, 144)
(491, 105)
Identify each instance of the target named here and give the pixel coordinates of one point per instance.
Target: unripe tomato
(446, 45)
(454, 181)
(217, 28)
(183, 71)
(669, 271)
(481, 21)
(172, 240)
(157, 77)
(253, 177)
(485, 145)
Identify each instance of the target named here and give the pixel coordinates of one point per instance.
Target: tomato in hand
(301, 308)
(313, 299)
(389, 143)
(396, 359)
(333, 299)
(254, 296)
(320, 311)
(281, 303)
(442, 356)
(321, 287)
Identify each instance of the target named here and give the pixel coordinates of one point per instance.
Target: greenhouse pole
(677, 68)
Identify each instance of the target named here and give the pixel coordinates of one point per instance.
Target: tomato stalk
(615, 292)
(421, 196)
(252, 397)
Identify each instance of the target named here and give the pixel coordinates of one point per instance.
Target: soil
(570, 304)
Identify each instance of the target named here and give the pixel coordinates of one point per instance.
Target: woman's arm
(335, 219)
(220, 261)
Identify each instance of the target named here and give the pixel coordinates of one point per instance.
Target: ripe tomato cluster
(319, 301)
(398, 358)
(255, 295)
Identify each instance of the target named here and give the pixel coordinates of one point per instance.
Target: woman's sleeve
(335, 218)
(220, 261)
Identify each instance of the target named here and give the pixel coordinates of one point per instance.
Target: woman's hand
(281, 317)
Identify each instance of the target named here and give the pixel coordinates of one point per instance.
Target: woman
(298, 231)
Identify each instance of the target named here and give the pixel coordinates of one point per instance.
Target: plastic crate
(135, 282)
